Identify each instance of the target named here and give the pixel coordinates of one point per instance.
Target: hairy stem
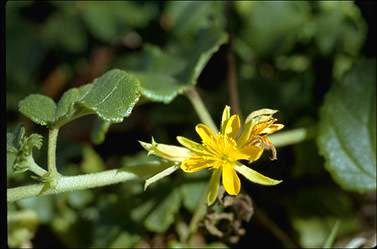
(71, 183)
(36, 169)
(51, 153)
(200, 108)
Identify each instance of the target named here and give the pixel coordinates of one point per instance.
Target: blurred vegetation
(306, 59)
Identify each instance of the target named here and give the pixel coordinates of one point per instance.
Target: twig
(231, 71)
(275, 229)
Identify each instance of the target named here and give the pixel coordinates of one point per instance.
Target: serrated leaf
(39, 108)
(347, 130)
(162, 216)
(113, 95)
(159, 87)
(66, 108)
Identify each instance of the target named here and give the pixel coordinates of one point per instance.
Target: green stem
(290, 137)
(200, 108)
(51, 154)
(71, 183)
(36, 169)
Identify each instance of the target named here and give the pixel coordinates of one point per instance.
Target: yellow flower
(221, 152)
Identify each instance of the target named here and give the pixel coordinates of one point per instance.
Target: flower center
(223, 150)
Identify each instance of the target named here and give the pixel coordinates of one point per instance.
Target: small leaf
(347, 130)
(20, 147)
(67, 109)
(39, 108)
(159, 87)
(113, 95)
(163, 215)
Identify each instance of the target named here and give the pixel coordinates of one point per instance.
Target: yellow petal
(169, 152)
(254, 152)
(272, 128)
(245, 134)
(191, 145)
(195, 163)
(225, 117)
(254, 176)
(231, 181)
(232, 126)
(205, 134)
(213, 187)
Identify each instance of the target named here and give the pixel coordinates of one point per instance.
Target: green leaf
(208, 41)
(159, 87)
(99, 131)
(39, 108)
(163, 215)
(67, 108)
(347, 130)
(271, 28)
(113, 95)
(153, 60)
(19, 149)
(155, 70)
(192, 193)
(185, 18)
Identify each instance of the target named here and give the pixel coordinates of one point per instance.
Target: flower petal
(272, 128)
(225, 117)
(254, 152)
(245, 134)
(213, 187)
(169, 152)
(195, 163)
(205, 134)
(191, 145)
(254, 176)
(231, 181)
(232, 126)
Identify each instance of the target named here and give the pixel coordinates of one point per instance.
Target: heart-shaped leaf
(347, 131)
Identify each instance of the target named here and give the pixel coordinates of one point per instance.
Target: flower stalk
(51, 153)
(200, 108)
